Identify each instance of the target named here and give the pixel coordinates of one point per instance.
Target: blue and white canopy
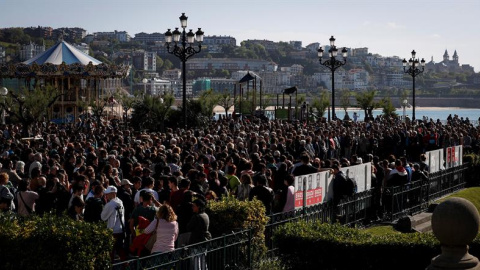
(62, 52)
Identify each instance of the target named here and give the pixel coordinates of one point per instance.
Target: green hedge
(315, 245)
(52, 242)
(231, 215)
(472, 179)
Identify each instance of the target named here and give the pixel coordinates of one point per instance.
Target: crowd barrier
(234, 251)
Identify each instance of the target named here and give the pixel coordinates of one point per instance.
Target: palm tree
(366, 101)
(321, 103)
(345, 101)
(226, 101)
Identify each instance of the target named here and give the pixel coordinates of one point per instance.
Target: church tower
(446, 57)
(455, 57)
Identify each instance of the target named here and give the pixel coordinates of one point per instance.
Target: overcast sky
(386, 27)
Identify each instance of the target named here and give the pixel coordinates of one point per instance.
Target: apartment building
(149, 38)
(145, 61)
(30, 50)
(230, 64)
(121, 36)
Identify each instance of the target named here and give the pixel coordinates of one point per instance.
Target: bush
(51, 242)
(231, 214)
(316, 245)
(472, 173)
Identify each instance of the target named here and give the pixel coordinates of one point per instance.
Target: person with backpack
(25, 199)
(113, 213)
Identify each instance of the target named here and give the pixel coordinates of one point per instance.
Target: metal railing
(413, 198)
(362, 208)
(234, 251)
(231, 251)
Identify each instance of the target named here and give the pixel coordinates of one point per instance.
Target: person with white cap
(113, 213)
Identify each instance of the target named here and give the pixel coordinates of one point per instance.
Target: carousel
(80, 78)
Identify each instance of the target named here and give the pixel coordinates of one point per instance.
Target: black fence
(231, 251)
(234, 251)
(372, 206)
(415, 197)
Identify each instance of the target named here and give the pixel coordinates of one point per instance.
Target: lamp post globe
(3, 91)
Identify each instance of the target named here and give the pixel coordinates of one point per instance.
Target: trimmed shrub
(315, 245)
(472, 179)
(52, 242)
(230, 214)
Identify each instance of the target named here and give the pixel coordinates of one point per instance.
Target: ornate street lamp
(413, 71)
(183, 48)
(332, 64)
(3, 93)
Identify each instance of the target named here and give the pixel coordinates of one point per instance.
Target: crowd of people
(160, 182)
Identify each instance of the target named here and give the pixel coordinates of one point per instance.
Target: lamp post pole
(413, 71)
(183, 48)
(332, 64)
(3, 93)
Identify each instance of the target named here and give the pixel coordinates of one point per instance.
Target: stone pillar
(455, 223)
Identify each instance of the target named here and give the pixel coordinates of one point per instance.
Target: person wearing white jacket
(113, 213)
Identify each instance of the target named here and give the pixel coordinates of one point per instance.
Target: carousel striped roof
(63, 52)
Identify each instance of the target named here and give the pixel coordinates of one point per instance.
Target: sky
(386, 27)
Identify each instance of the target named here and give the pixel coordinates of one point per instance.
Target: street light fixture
(183, 48)
(332, 64)
(3, 93)
(413, 71)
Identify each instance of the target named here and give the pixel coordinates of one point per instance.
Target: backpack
(350, 186)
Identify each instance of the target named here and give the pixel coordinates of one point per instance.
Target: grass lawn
(381, 230)
(470, 194)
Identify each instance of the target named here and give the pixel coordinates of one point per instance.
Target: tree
(366, 101)
(159, 64)
(321, 103)
(30, 106)
(345, 101)
(226, 101)
(167, 64)
(152, 111)
(128, 102)
(208, 100)
(388, 108)
(97, 108)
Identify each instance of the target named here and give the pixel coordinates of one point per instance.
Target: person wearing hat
(113, 213)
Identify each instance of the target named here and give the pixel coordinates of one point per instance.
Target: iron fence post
(224, 250)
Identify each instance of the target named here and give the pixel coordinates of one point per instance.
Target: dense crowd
(161, 181)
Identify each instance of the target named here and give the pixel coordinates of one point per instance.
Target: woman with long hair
(166, 226)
